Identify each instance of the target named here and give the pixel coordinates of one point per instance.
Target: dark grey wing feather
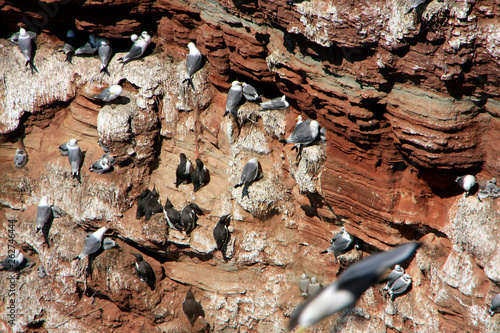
(193, 63)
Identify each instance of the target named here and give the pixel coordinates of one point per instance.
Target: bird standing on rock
(173, 216)
(43, 213)
(25, 42)
(138, 47)
(191, 308)
(233, 98)
(249, 174)
(92, 243)
(104, 164)
(68, 48)
(221, 233)
(105, 53)
(72, 150)
(466, 182)
(340, 243)
(189, 216)
(250, 92)
(183, 172)
(199, 176)
(193, 62)
(20, 159)
(395, 274)
(400, 285)
(144, 270)
(279, 103)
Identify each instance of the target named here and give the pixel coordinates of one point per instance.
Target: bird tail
(105, 70)
(245, 191)
(238, 185)
(37, 230)
(69, 57)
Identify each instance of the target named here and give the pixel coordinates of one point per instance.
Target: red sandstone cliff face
(409, 101)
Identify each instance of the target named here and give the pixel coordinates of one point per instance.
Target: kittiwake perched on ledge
(109, 94)
(105, 53)
(340, 243)
(249, 174)
(279, 103)
(466, 182)
(395, 274)
(89, 48)
(400, 285)
(72, 150)
(144, 270)
(183, 172)
(495, 305)
(43, 213)
(193, 62)
(20, 159)
(346, 290)
(13, 261)
(92, 243)
(233, 98)
(304, 285)
(250, 92)
(103, 164)
(138, 47)
(25, 42)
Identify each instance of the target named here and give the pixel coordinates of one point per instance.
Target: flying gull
(92, 243)
(183, 172)
(345, 291)
(233, 98)
(279, 103)
(138, 47)
(199, 176)
(249, 174)
(145, 271)
(20, 159)
(193, 62)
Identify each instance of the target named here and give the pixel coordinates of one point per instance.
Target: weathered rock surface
(409, 102)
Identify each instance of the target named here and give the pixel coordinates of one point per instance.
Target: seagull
(138, 47)
(43, 213)
(249, 174)
(340, 243)
(144, 270)
(466, 182)
(345, 291)
(304, 284)
(72, 150)
(110, 93)
(400, 285)
(233, 98)
(305, 133)
(25, 42)
(105, 53)
(279, 103)
(495, 305)
(104, 164)
(250, 92)
(88, 48)
(92, 243)
(20, 159)
(193, 62)
(314, 287)
(13, 261)
(395, 274)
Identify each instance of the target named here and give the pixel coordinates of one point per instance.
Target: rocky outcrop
(409, 101)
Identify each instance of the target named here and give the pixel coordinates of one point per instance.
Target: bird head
(44, 201)
(22, 32)
(137, 256)
(72, 142)
(134, 38)
(115, 90)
